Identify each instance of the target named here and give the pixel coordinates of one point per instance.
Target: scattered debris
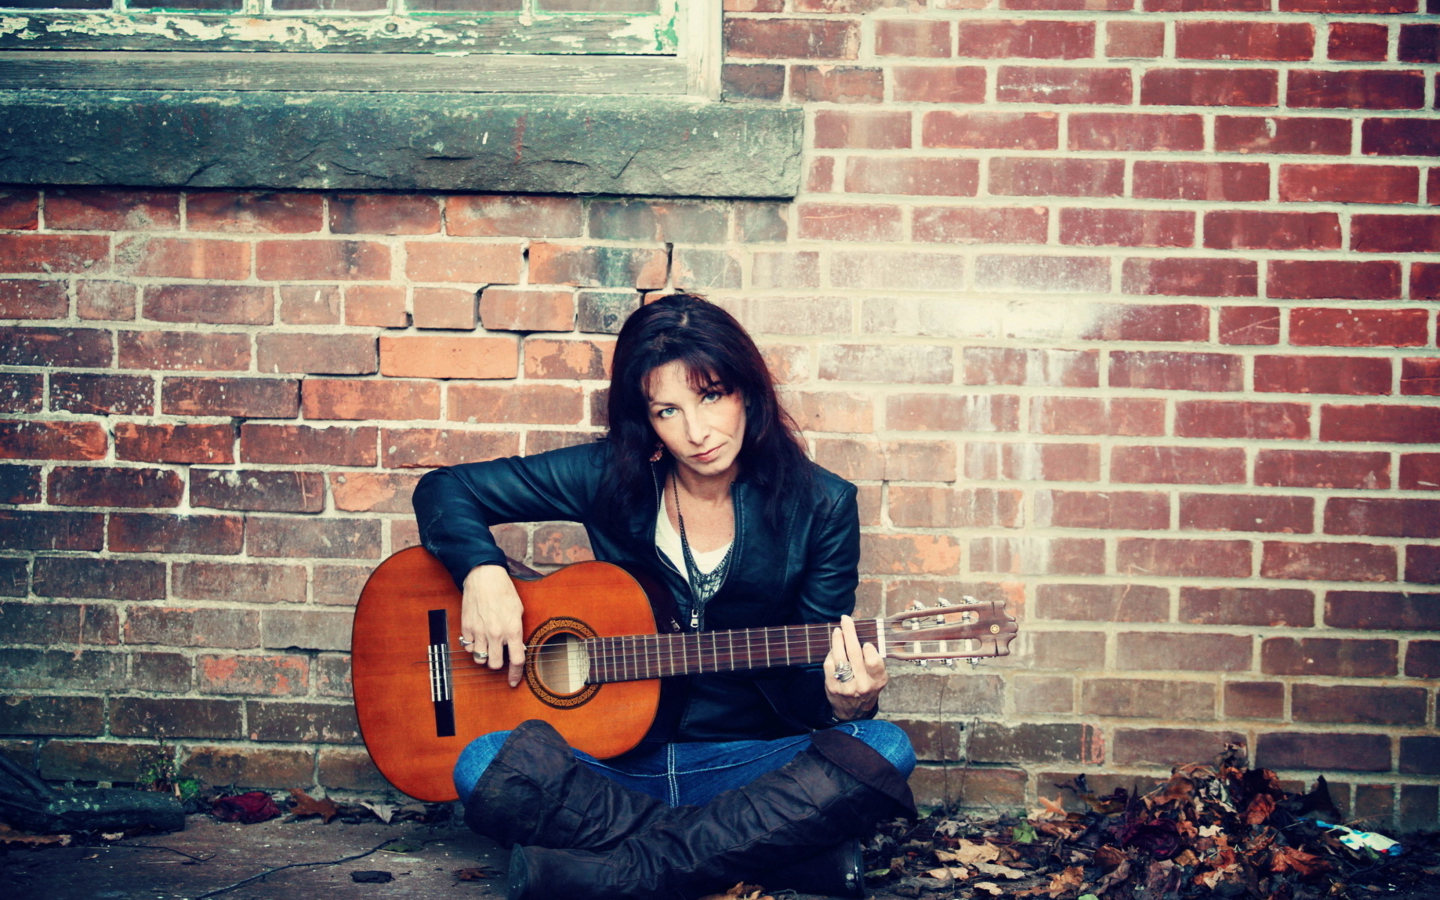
(247, 808)
(372, 876)
(478, 873)
(306, 805)
(741, 891)
(1221, 829)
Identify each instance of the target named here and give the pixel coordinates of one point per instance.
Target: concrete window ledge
(516, 143)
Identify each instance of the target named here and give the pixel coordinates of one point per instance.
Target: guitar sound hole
(563, 664)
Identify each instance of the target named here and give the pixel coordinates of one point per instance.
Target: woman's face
(702, 429)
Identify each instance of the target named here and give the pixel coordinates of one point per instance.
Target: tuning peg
(951, 662)
(923, 663)
(918, 604)
(974, 662)
(969, 599)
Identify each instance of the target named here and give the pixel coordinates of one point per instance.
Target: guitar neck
(638, 657)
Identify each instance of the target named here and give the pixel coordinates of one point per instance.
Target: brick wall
(1124, 313)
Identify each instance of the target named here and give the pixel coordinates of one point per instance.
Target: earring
(659, 453)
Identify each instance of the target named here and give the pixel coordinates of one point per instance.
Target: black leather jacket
(805, 572)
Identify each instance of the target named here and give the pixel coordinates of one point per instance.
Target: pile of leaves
(1216, 830)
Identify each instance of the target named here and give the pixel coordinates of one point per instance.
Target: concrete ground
(209, 855)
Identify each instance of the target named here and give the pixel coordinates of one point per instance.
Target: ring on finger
(844, 673)
(480, 655)
(465, 642)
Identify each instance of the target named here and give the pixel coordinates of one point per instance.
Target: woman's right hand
(490, 613)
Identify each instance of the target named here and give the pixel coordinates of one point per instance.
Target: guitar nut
(994, 629)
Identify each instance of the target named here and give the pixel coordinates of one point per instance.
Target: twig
(268, 872)
(158, 847)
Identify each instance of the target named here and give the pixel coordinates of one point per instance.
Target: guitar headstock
(984, 627)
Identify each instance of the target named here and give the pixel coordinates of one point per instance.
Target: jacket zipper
(697, 609)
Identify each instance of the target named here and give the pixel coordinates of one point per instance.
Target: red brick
(1328, 656)
(1185, 277)
(1254, 700)
(32, 299)
(785, 269)
(1032, 462)
(258, 490)
(567, 360)
(100, 486)
(1171, 371)
(317, 354)
(113, 300)
(183, 258)
(1038, 177)
(1383, 517)
(47, 530)
(1092, 415)
(302, 444)
(1033, 38)
(1419, 43)
(917, 176)
(215, 304)
(1357, 705)
(670, 221)
(304, 304)
(1382, 611)
(52, 347)
(980, 225)
(1127, 510)
(1352, 6)
(1244, 40)
(430, 447)
(1177, 465)
(1388, 424)
(1012, 365)
(1235, 182)
(1395, 234)
(19, 210)
(1249, 325)
(384, 214)
(1422, 659)
(990, 130)
(377, 305)
(909, 554)
(273, 536)
(1425, 281)
(837, 129)
(168, 533)
(1345, 752)
(1322, 469)
(911, 37)
(1139, 697)
(931, 507)
(849, 222)
(509, 215)
(1400, 137)
(938, 84)
(1242, 419)
(184, 350)
(1282, 134)
(108, 209)
(1360, 42)
(1349, 184)
(1207, 5)
(1209, 87)
(1420, 376)
(417, 356)
(53, 253)
(1422, 564)
(1151, 557)
(1038, 556)
(1328, 562)
(1419, 471)
(322, 260)
(520, 404)
(25, 392)
(193, 627)
(914, 364)
(791, 38)
(797, 315)
(1134, 40)
(1103, 603)
(1035, 84)
(1323, 374)
(1059, 4)
(836, 84)
(334, 398)
(265, 398)
(1333, 279)
(952, 412)
(453, 308)
(31, 439)
(254, 213)
(752, 82)
(511, 309)
(1127, 227)
(1238, 230)
(384, 492)
(1237, 512)
(1354, 89)
(1087, 274)
(175, 443)
(1131, 131)
(264, 676)
(1262, 607)
(1187, 652)
(625, 267)
(1358, 327)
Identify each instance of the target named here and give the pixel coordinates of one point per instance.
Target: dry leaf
(1260, 808)
(306, 805)
(1049, 808)
(988, 887)
(382, 811)
(477, 873)
(9, 838)
(741, 891)
(945, 873)
(999, 871)
(1066, 881)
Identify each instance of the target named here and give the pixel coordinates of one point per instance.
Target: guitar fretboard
(638, 657)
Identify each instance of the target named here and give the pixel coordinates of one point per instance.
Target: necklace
(703, 585)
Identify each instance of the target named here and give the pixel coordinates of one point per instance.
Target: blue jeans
(693, 773)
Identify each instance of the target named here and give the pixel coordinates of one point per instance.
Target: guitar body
(407, 628)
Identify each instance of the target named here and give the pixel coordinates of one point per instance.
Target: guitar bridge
(442, 690)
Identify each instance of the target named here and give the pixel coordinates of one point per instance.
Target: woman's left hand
(857, 695)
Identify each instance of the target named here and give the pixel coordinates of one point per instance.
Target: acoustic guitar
(593, 661)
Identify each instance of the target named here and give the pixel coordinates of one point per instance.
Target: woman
(703, 481)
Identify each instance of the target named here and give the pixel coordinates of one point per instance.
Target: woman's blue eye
(665, 413)
(712, 397)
